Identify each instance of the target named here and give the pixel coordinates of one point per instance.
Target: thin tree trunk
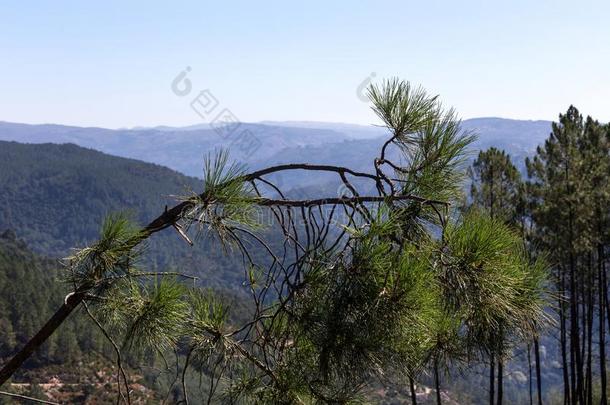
(501, 368)
(500, 380)
(529, 369)
(602, 323)
(492, 379)
(590, 316)
(412, 387)
(575, 361)
(583, 313)
(563, 341)
(586, 312)
(538, 370)
(437, 383)
(606, 298)
(573, 353)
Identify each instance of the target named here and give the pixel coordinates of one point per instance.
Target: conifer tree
(495, 187)
(569, 191)
(351, 289)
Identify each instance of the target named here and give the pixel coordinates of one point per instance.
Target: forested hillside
(26, 308)
(55, 198)
(75, 365)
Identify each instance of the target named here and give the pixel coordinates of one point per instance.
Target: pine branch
(26, 398)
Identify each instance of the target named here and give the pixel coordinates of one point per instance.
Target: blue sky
(111, 64)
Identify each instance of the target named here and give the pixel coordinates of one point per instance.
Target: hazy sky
(112, 64)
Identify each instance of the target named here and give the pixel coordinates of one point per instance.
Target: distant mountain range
(183, 149)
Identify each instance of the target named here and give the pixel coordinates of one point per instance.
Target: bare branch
(23, 397)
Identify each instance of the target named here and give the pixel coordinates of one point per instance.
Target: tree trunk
(602, 322)
(563, 341)
(437, 383)
(529, 369)
(492, 379)
(575, 361)
(412, 387)
(538, 370)
(500, 380)
(590, 311)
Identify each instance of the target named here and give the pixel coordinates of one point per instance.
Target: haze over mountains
(183, 149)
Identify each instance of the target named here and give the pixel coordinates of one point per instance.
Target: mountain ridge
(184, 149)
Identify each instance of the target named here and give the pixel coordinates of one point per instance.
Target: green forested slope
(55, 197)
(76, 357)
(30, 290)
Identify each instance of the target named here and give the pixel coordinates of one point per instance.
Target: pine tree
(351, 289)
(569, 189)
(495, 187)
